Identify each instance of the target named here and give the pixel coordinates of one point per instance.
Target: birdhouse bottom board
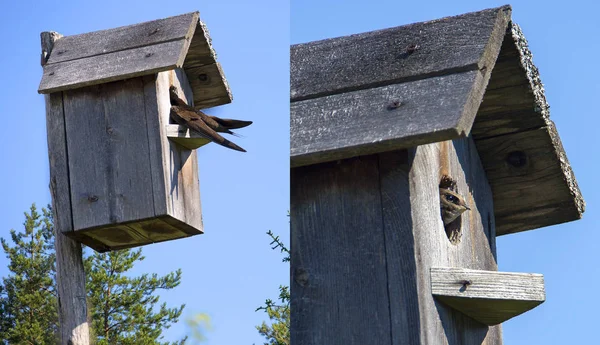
(114, 172)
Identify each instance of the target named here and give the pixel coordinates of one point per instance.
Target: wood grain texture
(128, 184)
(532, 180)
(393, 103)
(70, 274)
(137, 50)
(487, 296)
(124, 38)
(209, 85)
(386, 205)
(338, 264)
(476, 248)
(390, 56)
(381, 119)
(179, 165)
(115, 66)
(109, 170)
(204, 73)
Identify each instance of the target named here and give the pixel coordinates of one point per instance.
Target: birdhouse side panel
(108, 150)
(175, 168)
(466, 242)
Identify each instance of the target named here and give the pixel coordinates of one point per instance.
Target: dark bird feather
(190, 119)
(204, 124)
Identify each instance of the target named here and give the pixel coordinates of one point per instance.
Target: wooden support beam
(70, 273)
(487, 296)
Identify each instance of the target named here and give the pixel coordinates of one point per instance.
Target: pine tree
(278, 332)
(122, 309)
(27, 296)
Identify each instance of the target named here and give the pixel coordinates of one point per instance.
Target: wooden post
(70, 274)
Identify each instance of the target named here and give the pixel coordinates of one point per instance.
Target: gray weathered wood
(180, 165)
(70, 273)
(532, 180)
(124, 38)
(106, 124)
(181, 135)
(136, 50)
(338, 263)
(118, 65)
(209, 85)
(127, 184)
(384, 118)
(205, 75)
(487, 296)
(350, 99)
(384, 57)
(355, 218)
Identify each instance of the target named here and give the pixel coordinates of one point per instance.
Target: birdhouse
(412, 149)
(121, 174)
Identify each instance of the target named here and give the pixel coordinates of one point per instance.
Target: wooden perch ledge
(489, 297)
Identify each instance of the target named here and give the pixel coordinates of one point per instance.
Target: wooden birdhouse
(382, 125)
(122, 175)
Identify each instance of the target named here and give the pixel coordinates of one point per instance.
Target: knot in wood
(203, 77)
(517, 159)
(301, 277)
(412, 48)
(149, 55)
(395, 104)
(92, 198)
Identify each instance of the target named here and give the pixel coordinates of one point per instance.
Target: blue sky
(563, 37)
(230, 270)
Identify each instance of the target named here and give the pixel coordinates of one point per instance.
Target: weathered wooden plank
(204, 73)
(475, 247)
(415, 51)
(527, 167)
(179, 165)
(124, 38)
(182, 135)
(399, 222)
(70, 274)
(487, 296)
(118, 65)
(338, 290)
(210, 88)
(383, 119)
(103, 125)
(532, 181)
(402, 265)
(200, 52)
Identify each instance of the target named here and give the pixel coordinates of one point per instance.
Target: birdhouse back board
(128, 184)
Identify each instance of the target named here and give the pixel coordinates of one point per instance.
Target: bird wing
(191, 120)
(230, 123)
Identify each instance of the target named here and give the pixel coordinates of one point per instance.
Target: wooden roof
(426, 82)
(136, 50)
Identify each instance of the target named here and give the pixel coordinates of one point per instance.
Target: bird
(452, 205)
(206, 125)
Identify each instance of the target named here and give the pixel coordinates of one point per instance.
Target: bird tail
(230, 123)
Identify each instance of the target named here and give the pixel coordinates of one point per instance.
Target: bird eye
(451, 198)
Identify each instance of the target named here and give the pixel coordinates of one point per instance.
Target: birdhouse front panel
(128, 184)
